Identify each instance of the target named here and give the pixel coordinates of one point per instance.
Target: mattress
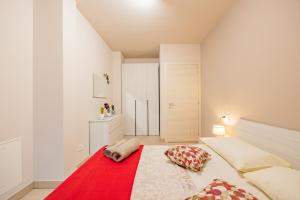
(158, 178)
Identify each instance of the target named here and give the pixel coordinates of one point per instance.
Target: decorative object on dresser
(107, 107)
(102, 113)
(112, 109)
(104, 131)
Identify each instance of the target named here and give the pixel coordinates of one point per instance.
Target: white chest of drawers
(105, 131)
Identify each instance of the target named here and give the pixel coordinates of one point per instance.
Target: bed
(149, 175)
(158, 178)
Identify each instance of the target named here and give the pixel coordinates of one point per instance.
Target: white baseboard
(20, 194)
(46, 184)
(34, 185)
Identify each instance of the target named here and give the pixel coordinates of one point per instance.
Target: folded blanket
(110, 148)
(125, 149)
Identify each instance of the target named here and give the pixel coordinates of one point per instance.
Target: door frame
(164, 102)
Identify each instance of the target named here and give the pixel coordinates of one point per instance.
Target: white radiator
(10, 164)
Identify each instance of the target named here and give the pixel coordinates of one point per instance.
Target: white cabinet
(105, 131)
(140, 98)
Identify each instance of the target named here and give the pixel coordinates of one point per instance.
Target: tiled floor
(148, 140)
(151, 140)
(39, 194)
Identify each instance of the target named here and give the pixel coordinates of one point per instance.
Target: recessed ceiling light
(144, 3)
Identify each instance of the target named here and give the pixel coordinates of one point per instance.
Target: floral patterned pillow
(220, 190)
(189, 157)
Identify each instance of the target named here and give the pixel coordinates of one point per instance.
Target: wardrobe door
(128, 98)
(141, 100)
(152, 99)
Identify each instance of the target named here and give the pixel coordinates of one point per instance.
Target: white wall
(47, 61)
(48, 91)
(67, 53)
(174, 54)
(141, 60)
(117, 60)
(16, 109)
(251, 65)
(84, 53)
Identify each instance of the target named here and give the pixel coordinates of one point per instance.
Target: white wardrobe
(140, 98)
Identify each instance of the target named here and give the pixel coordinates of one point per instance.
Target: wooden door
(182, 82)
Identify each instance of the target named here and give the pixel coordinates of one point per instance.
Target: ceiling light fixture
(144, 3)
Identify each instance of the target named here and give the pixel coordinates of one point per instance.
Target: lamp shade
(219, 130)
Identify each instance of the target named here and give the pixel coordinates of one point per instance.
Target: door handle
(171, 104)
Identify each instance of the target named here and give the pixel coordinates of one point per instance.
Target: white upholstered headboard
(279, 141)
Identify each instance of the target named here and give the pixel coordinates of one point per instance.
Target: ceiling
(137, 27)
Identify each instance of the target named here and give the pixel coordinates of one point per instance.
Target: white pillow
(243, 156)
(279, 183)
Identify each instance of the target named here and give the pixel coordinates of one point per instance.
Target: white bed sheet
(159, 179)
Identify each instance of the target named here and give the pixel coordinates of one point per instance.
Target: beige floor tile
(37, 194)
(148, 140)
(151, 140)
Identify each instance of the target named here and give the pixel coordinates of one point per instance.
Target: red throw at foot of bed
(100, 179)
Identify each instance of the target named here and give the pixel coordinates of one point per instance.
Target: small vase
(102, 116)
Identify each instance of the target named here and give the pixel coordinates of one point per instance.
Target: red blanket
(100, 179)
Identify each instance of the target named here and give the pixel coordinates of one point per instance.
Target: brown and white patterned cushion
(189, 157)
(221, 190)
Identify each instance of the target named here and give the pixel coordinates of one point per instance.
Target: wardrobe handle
(135, 117)
(148, 117)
